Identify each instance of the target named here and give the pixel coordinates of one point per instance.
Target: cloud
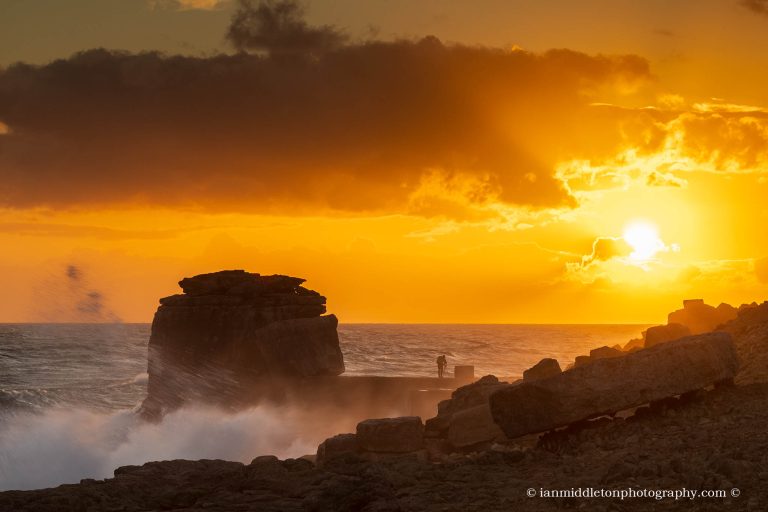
(187, 5)
(374, 126)
(278, 26)
(758, 6)
(664, 179)
(607, 248)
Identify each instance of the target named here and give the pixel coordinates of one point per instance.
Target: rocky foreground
(717, 440)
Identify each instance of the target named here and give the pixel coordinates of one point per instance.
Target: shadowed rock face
(609, 385)
(699, 317)
(232, 327)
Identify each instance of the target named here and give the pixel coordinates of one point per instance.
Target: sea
(68, 392)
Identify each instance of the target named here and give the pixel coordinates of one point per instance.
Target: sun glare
(644, 240)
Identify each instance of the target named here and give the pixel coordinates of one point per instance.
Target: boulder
(336, 446)
(391, 435)
(663, 333)
(633, 344)
(473, 426)
(547, 367)
(604, 352)
(581, 360)
(470, 395)
(699, 317)
(231, 330)
(606, 386)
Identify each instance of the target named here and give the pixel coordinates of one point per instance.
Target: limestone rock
(473, 426)
(606, 386)
(699, 317)
(391, 435)
(336, 446)
(470, 395)
(547, 367)
(663, 333)
(604, 352)
(581, 360)
(633, 344)
(232, 328)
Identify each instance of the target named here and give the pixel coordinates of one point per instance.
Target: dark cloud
(758, 6)
(359, 127)
(278, 26)
(606, 248)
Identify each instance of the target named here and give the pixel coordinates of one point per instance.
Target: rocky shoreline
(681, 410)
(715, 441)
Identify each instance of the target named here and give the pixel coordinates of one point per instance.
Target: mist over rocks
(230, 332)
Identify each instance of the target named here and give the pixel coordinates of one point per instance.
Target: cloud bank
(300, 120)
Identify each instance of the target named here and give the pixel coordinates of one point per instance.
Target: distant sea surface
(101, 367)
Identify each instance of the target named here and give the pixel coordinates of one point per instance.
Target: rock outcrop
(465, 420)
(391, 435)
(547, 367)
(606, 386)
(232, 328)
(716, 441)
(663, 333)
(699, 317)
(750, 335)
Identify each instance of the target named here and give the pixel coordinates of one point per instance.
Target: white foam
(64, 446)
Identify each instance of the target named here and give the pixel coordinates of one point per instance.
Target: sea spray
(63, 446)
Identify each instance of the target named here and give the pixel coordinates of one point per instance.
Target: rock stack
(231, 331)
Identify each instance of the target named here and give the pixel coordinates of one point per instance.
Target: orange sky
(475, 176)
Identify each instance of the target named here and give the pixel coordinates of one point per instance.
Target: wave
(63, 446)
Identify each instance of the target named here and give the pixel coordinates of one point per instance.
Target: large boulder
(609, 385)
(547, 367)
(603, 352)
(699, 317)
(391, 435)
(473, 426)
(465, 420)
(233, 328)
(337, 446)
(663, 333)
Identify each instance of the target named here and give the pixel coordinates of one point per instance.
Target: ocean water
(67, 392)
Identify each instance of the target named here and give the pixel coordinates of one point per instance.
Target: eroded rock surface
(391, 435)
(715, 442)
(232, 328)
(609, 385)
(547, 367)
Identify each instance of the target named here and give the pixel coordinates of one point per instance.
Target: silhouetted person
(441, 364)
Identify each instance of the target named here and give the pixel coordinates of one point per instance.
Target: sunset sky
(504, 161)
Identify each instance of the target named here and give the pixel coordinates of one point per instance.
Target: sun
(644, 239)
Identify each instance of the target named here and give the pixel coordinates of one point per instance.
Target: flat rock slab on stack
(609, 385)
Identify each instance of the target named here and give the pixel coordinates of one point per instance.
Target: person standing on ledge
(441, 364)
